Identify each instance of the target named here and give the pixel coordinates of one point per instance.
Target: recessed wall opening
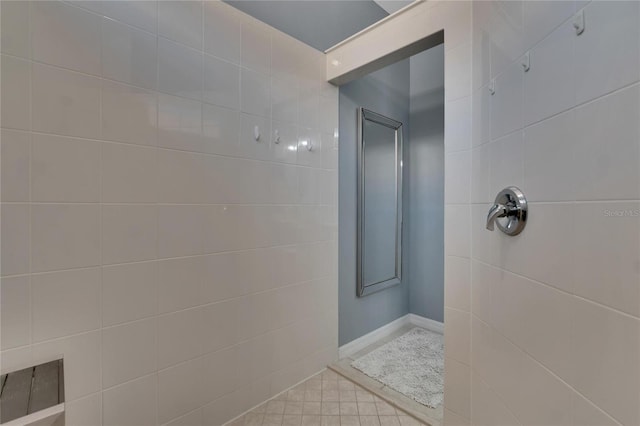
(391, 221)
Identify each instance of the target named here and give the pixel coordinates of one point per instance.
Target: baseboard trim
(429, 324)
(362, 342)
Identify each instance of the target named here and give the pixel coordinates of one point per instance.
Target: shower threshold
(422, 413)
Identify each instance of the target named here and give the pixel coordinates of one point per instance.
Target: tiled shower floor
(326, 399)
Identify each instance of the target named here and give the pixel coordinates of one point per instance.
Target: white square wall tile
(181, 283)
(549, 86)
(84, 411)
(64, 169)
(587, 414)
(181, 177)
(484, 280)
(16, 101)
(457, 283)
(65, 303)
(481, 53)
(180, 123)
(608, 54)
(457, 232)
(542, 17)
(486, 245)
(193, 418)
(452, 419)
(481, 119)
(222, 83)
(607, 374)
(548, 245)
(458, 335)
(546, 338)
(133, 403)
(606, 251)
(180, 337)
(232, 273)
(607, 147)
(81, 354)
(533, 406)
(308, 104)
(128, 351)
(181, 21)
(222, 31)
(457, 177)
(256, 46)
(458, 124)
(15, 156)
(508, 304)
(64, 102)
(506, 163)
(129, 114)
(15, 242)
(284, 99)
(220, 129)
(507, 101)
(457, 64)
(180, 389)
(179, 70)
(16, 34)
(64, 236)
(128, 173)
(227, 315)
(141, 14)
(180, 230)
(256, 93)
(457, 387)
(506, 34)
(549, 147)
(15, 296)
(480, 173)
(221, 373)
(129, 55)
(128, 233)
(129, 292)
(66, 36)
(486, 407)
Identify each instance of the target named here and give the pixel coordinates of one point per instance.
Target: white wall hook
(526, 62)
(578, 22)
(492, 86)
(276, 137)
(309, 146)
(256, 133)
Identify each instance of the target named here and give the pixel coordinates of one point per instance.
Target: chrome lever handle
(498, 210)
(511, 204)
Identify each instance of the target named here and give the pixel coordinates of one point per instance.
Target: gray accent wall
(318, 23)
(411, 91)
(426, 185)
(386, 92)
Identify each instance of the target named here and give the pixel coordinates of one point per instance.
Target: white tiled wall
(185, 270)
(553, 315)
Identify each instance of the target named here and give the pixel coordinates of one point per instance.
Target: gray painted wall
(386, 92)
(412, 92)
(318, 23)
(426, 184)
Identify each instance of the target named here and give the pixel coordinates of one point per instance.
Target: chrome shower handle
(512, 205)
(498, 210)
